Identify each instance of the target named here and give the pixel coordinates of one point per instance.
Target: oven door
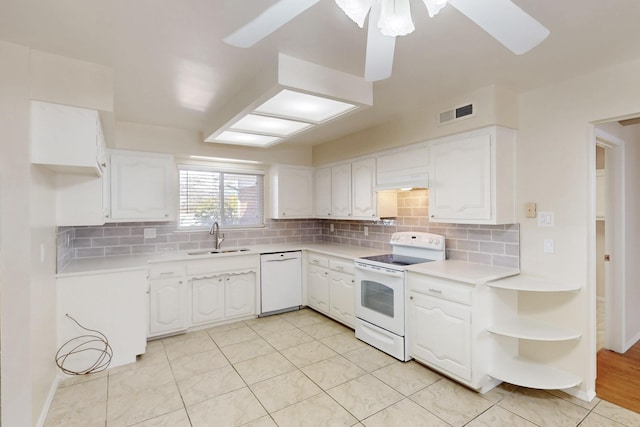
(380, 297)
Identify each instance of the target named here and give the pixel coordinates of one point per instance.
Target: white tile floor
(300, 369)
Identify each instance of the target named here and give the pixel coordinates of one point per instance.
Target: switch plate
(545, 219)
(530, 210)
(366, 231)
(149, 233)
(548, 246)
(331, 228)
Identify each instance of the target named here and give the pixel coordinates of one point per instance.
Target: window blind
(232, 199)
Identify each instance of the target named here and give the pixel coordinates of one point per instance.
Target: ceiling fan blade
(267, 22)
(380, 49)
(505, 21)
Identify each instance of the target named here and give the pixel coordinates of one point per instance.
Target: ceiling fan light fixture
(434, 6)
(395, 18)
(357, 10)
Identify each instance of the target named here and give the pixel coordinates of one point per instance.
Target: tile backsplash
(497, 245)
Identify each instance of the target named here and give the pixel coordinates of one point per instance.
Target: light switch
(545, 219)
(530, 210)
(548, 246)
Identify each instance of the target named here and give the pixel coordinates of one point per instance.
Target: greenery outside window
(232, 199)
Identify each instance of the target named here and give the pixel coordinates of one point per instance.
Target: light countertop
(461, 271)
(135, 262)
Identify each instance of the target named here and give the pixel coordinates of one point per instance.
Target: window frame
(222, 171)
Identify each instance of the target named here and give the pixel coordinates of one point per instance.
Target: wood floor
(619, 377)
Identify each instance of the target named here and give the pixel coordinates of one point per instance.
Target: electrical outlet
(149, 233)
(366, 231)
(331, 228)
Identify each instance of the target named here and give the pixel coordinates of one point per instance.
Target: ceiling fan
(502, 19)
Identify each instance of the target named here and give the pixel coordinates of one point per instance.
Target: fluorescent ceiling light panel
(224, 159)
(268, 125)
(241, 138)
(303, 106)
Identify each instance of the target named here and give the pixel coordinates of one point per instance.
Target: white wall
(17, 379)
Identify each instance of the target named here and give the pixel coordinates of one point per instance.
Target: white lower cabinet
(331, 287)
(168, 308)
(318, 288)
(201, 292)
(442, 336)
(447, 328)
(113, 303)
(207, 299)
(222, 297)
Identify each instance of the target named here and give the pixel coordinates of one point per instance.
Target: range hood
(403, 169)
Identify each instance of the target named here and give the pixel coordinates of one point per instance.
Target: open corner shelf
(523, 372)
(523, 282)
(529, 329)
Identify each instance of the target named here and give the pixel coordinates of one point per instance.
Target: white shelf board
(530, 329)
(524, 282)
(526, 373)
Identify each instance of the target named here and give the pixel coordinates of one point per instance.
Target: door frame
(615, 278)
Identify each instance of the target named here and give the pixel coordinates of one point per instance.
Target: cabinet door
(240, 295)
(142, 187)
(294, 192)
(460, 186)
(440, 334)
(318, 288)
(342, 294)
(363, 175)
(322, 193)
(64, 138)
(167, 306)
(207, 299)
(341, 190)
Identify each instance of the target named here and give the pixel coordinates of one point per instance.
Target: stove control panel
(418, 240)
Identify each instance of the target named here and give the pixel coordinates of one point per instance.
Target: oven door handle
(383, 271)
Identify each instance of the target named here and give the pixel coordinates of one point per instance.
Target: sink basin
(216, 251)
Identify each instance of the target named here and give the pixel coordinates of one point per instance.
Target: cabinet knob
(104, 165)
(284, 213)
(166, 215)
(411, 297)
(106, 216)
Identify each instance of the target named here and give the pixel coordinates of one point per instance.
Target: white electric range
(380, 290)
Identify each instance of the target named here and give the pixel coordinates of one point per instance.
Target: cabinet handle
(435, 291)
(166, 273)
(315, 260)
(339, 267)
(433, 216)
(106, 216)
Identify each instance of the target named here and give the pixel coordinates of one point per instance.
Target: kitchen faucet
(215, 232)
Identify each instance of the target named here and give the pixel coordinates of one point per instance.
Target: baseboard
(47, 403)
(631, 342)
(587, 395)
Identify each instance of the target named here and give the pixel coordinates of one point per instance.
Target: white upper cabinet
(322, 193)
(363, 173)
(142, 187)
(472, 178)
(291, 192)
(67, 139)
(341, 191)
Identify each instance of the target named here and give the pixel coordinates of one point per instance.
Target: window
(232, 199)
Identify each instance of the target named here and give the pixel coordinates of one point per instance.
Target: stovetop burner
(395, 259)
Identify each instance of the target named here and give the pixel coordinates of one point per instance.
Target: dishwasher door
(280, 281)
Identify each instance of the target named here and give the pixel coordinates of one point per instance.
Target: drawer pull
(315, 260)
(166, 273)
(340, 267)
(435, 291)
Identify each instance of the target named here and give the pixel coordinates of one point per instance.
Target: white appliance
(280, 282)
(380, 290)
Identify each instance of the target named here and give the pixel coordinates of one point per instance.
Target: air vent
(458, 113)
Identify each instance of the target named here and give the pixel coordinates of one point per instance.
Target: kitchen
(596, 95)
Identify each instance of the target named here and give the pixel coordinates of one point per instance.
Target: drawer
(166, 270)
(220, 264)
(441, 288)
(319, 260)
(342, 266)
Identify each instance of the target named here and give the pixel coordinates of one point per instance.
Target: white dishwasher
(280, 282)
